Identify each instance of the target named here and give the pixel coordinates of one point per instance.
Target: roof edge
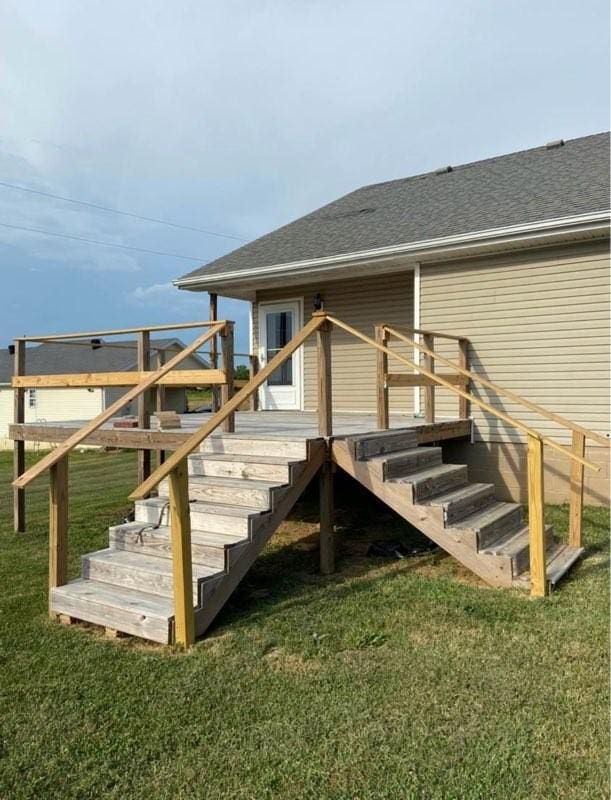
(527, 232)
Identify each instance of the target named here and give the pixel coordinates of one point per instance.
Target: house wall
(538, 325)
(362, 303)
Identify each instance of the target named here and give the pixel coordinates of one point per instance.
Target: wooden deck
(270, 424)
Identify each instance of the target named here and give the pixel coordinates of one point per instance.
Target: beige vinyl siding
(362, 303)
(538, 324)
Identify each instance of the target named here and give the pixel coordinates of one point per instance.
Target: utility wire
(96, 241)
(117, 211)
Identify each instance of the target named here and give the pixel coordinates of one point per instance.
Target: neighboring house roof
(55, 358)
(544, 183)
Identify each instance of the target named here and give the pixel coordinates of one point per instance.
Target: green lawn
(389, 680)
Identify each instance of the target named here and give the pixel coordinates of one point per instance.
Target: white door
(278, 323)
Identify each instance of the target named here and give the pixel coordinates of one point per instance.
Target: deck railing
(175, 465)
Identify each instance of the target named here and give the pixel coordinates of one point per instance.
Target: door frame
(298, 355)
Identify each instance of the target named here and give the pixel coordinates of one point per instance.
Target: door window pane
(279, 329)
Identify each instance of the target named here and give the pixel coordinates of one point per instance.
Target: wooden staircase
(488, 536)
(240, 489)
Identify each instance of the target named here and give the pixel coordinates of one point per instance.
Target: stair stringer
(204, 616)
(491, 569)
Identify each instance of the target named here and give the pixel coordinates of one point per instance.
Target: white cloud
(168, 296)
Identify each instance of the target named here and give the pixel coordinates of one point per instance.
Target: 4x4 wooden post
(227, 387)
(19, 447)
(144, 414)
(180, 528)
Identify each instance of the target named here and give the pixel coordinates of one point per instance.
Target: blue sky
(240, 116)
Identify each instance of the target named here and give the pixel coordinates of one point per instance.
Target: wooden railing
(175, 466)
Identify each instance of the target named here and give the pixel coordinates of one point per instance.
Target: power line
(96, 241)
(117, 211)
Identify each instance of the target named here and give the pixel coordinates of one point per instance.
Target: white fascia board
(528, 233)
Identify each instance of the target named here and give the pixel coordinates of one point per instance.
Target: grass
(405, 679)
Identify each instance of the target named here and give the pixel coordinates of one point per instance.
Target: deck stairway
(488, 536)
(240, 489)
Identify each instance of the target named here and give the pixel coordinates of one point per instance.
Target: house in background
(57, 405)
(510, 252)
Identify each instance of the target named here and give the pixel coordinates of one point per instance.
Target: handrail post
(160, 399)
(227, 387)
(182, 570)
(464, 406)
(144, 415)
(429, 391)
(214, 357)
(536, 520)
(58, 524)
(253, 368)
(576, 500)
(19, 446)
(325, 399)
(381, 337)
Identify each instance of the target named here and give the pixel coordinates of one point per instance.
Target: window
(32, 398)
(279, 333)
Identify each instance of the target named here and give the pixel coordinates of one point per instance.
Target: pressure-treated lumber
(464, 407)
(474, 376)
(214, 351)
(55, 455)
(325, 401)
(144, 415)
(253, 368)
(576, 489)
(429, 391)
(382, 378)
(180, 526)
(228, 367)
(180, 377)
(536, 523)
(442, 382)
(58, 523)
(175, 326)
(160, 398)
(19, 447)
(198, 437)
(327, 537)
(401, 379)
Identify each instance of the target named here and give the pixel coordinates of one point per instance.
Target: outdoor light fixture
(318, 303)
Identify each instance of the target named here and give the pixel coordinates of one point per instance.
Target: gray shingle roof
(55, 358)
(528, 186)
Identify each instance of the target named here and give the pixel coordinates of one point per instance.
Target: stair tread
(428, 472)
(232, 483)
(462, 493)
(110, 594)
(489, 515)
(197, 536)
(147, 563)
(512, 543)
(397, 455)
(560, 559)
(259, 437)
(246, 458)
(209, 508)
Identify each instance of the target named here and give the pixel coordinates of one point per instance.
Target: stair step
(560, 559)
(464, 501)
(248, 444)
(434, 480)
(516, 546)
(207, 548)
(231, 465)
(377, 444)
(404, 462)
(128, 610)
(214, 517)
(493, 522)
(145, 573)
(228, 491)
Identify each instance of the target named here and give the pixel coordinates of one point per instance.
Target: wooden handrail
(176, 326)
(446, 384)
(55, 455)
(227, 409)
(436, 334)
(474, 376)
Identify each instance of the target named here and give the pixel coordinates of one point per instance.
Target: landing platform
(283, 424)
